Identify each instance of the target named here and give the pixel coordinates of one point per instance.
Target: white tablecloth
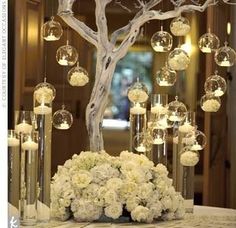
(202, 217)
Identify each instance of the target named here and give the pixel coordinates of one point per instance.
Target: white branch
(65, 12)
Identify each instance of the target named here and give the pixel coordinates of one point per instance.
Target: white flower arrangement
(78, 79)
(91, 185)
(43, 95)
(179, 28)
(137, 95)
(179, 61)
(189, 158)
(211, 105)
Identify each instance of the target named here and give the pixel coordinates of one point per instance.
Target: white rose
(142, 214)
(113, 211)
(110, 197)
(211, 105)
(166, 202)
(132, 203)
(82, 179)
(189, 158)
(114, 183)
(145, 190)
(43, 95)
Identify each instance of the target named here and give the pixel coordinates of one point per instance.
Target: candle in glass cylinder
(13, 142)
(29, 145)
(141, 148)
(42, 109)
(23, 127)
(137, 110)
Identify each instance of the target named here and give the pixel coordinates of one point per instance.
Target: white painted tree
(109, 51)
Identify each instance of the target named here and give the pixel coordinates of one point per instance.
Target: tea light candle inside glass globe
(67, 55)
(208, 42)
(77, 76)
(62, 119)
(176, 110)
(225, 56)
(51, 30)
(180, 26)
(138, 143)
(138, 92)
(178, 59)
(166, 76)
(163, 122)
(161, 41)
(216, 85)
(159, 104)
(210, 103)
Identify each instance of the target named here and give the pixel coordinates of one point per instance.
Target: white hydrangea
(78, 79)
(179, 61)
(114, 211)
(137, 95)
(43, 95)
(91, 185)
(211, 105)
(189, 158)
(179, 28)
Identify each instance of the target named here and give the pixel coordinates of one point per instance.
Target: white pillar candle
(158, 109)
(29, 145)
(23, 128)
(186, 127)
(42, 109)
(158, 141)
(12, 142)
(141, 148)
(137, 110)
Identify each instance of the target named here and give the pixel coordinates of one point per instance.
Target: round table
(212, 217)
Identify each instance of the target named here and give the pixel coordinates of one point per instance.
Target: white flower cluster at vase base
(211, 105)
(93, 185)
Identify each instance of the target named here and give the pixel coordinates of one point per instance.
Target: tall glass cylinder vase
(44, 127)
(13, 176)
(138, 121)
(29, 168)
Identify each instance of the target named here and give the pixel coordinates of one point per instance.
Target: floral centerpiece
(92, 185)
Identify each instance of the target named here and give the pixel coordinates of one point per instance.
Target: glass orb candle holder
(176, 110)
(210, 103)
(163, 122)
(178, 59)
(138, 92)
(142, 142)
(216, 85)
(67, 55)
(161, 41)
(44, 94)
(195, 140)
(208, 42)
(51, 30)
(225, 56)
(166, 76)
(180, 26)
(77, 76)
(189, 157)
(62, 119)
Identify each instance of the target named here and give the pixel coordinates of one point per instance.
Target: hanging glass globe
(165, 76)
(67, 55)
(138, 92)
(44, 92)
(159, 136)
(163, 122)
(208, 42)
(180, 26)
(189, 157)
(215, 84)
(62, 119)
(161, 41)
(225, 56)
(195, 139)
(210, 103)
(51, 30)
(176, 110)
(77, 76)
(178, 59)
